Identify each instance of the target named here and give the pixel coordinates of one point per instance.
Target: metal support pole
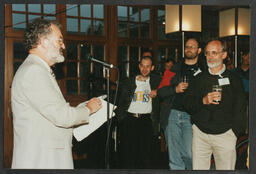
(183, 46)
(235, 51)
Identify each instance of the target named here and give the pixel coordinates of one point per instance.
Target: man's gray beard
(57, 59)
(60, 59)
(213, 65)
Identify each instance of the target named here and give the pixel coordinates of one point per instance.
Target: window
(128, 60)
(85, 19)
(123, 61)
(161, 24)
(81, 75)
(134, 30)
(133, 22)
(22, 14)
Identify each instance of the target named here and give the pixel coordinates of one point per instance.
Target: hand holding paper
(96, 120)
(94, 105)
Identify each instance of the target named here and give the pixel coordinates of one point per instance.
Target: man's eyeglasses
(213, 53)
(190, 47)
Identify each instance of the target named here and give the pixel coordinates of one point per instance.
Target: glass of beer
(217, 88)
(185, 79)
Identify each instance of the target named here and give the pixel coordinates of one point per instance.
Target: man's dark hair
(147, 57)
(37, 29)
(170, 60)
(197, 40)
(245, 52)
(145, 50)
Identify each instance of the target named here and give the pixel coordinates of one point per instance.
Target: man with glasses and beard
(218, 117)
(174, 120)
(42, 119)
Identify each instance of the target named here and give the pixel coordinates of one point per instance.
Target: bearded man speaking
(42, 119)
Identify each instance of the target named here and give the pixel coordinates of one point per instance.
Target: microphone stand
(107, 154)
(107, 68)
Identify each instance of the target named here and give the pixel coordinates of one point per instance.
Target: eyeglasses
(190, 47)
(213, 53)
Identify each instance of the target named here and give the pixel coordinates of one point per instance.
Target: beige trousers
(222, 146)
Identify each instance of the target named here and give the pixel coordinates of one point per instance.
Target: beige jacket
(42, 119)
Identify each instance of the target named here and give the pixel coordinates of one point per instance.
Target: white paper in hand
(95, 121)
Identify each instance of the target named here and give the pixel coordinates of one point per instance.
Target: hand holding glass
(185, 81)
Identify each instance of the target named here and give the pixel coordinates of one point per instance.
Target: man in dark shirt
(218, 117)
(174, 120)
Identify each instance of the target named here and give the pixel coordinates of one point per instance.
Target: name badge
(197, 72)
(224, 81)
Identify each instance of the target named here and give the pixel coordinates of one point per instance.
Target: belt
(138, 115)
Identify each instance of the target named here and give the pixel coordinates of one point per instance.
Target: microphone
(101, 62)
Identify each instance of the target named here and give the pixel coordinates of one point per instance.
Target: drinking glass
(185, 79)
(217, 88)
